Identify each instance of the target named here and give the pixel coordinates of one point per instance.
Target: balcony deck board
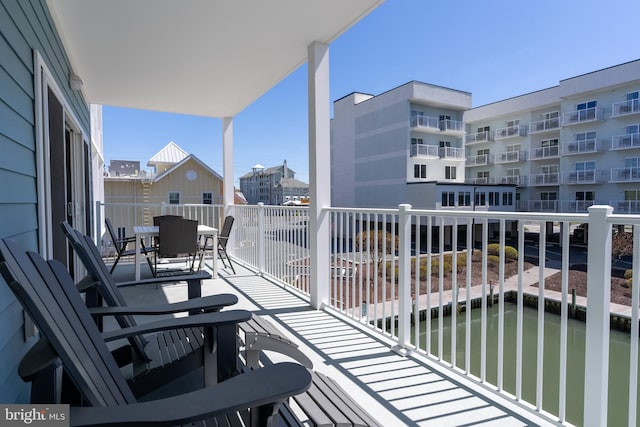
(395, 390)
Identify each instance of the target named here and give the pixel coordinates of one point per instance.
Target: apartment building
(566, 147)
(407, 146)
(272, 186)
(560, 149)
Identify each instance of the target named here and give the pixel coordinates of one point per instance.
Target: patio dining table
(148, 231)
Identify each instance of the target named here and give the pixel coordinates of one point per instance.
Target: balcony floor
(395, 390)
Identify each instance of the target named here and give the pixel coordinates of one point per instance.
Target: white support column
(596, 366)
(319, 172)
(404, 280)
(227, 162)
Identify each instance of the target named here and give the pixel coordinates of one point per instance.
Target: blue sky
(493, 49)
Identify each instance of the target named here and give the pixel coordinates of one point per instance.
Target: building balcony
(509, 157)
(625, 206)
(582, 116)
(511, 132)
(478, 181)
(452, 127)
(626, 141)
(518, 180)
(478, 137)
(451, 153)
(542, 153)
(625, 108)
(424, 150)
(578, 206)
(629, 174)
(480, 160)
(581, 147)
(544, 179)
(354, 336)
(582, 177)
(429, 124)
(547, 125)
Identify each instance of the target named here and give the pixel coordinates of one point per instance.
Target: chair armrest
(39, 357)
(208, 303)
(272, 384)
(205, 319)
(86, 283)
(202, 275)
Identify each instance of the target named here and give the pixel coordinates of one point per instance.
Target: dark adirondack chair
(121, 245)
(48, 294)
(163, 356)
(257, 333)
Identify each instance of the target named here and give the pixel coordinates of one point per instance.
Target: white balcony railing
(451, 153)
(578, 206)
(424, 150)
(545, 125)
(451, 126)
(509, 157)
(625, 206)
(479, 160)
(630, 174)
(626, 141)
(581, 147)
(544, 179)
(582, 177)
(518, 180)
(390, 279)
(474, 138)
(544, 152)
(511, 132)
(582, 116)
(625, 108)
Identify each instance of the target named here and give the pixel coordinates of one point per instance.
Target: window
(585, 166)
(416, 141)
(632, 95)
(584, 195)
(445, 117)
(632, 194)
(481, 199)
(585, 136)
(586, 105)
(512, 123)
(448, 198)
(464, 198)
(549, 195)
(450, 172)
(631, 129)
(482, 176)
(484, 129)
(549, 143)
(587, 110)
(207, 198)
(494, 198)
(445, 144)
(483, 152)
(174, 198)
(632, 162)
(420, 171)
(507, 199)
(550, 115)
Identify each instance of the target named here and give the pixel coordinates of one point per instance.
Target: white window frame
(169, 197)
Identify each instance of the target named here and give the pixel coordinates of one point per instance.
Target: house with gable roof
(176, 177)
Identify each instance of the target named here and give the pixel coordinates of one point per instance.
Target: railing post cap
(600, 208)
(404, 206)
(260, 203)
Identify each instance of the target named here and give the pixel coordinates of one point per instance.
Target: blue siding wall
(25, 26)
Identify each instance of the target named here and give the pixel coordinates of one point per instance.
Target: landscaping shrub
(509, 251)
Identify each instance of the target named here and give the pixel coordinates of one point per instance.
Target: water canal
(618, 359)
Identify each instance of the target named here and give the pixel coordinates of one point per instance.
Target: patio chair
(258, 335)
(223, 239)
(46, 291)
(177, 237)
(120, 245)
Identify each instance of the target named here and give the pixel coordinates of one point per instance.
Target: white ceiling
(202, 57)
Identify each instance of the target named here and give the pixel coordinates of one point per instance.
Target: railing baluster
(429, 259)
(633, 350)
(562, 392)
(520, 310)
(467, 332)
(441, 272)
(501, 238)
(483, 313)
(542, 243)
(454, 292)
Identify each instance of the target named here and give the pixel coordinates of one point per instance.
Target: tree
(621, 244)
(376, 244)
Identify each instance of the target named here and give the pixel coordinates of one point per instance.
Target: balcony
(478, 181)
(626, 141)
(425, 124)
(544, 179)
(546, 125)
(581, 147)
(625, 108)
(509, 157)
(510, 132)
(582, 116)
(518, 180)
(625, 206)
(424, 150)
(542, 153)
(429, 124)
(629, 174)
(578, 206)
(478, 137)
(582, 177)
(452, 127)
(352, 333)
(479, 160)
(451, 153)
